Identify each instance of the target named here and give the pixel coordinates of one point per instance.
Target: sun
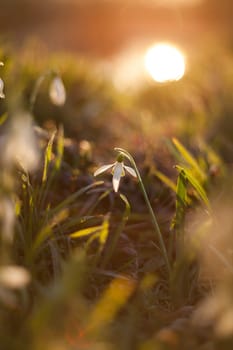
(164, 62)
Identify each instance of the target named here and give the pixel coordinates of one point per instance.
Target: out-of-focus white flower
(57, 91)
(118, 170)
(85, 149)
(84, 146)
(19, 144)
(14, 277)
(2, 95)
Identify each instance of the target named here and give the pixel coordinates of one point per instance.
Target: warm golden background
(102, 27)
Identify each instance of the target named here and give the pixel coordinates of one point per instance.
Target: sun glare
(164, 62)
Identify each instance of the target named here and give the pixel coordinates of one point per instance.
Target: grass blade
(85, 232)
(47, 158)
(60, 148)
(189, 158)
(69, 200)
(195, 184)
(117, 233)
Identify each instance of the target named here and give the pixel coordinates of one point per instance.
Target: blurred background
(101, 28)
(115, 41)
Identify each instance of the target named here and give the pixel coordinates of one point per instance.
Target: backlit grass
(143, 263)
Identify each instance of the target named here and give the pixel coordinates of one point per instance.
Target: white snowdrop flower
(2, 95)
(14, 277)
(20, 143)
(118, 170)
(57, 91)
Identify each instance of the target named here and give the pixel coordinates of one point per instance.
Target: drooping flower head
(118, 170)
(57, 91)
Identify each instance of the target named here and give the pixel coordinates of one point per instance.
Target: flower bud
(57, 92)
(2, 95)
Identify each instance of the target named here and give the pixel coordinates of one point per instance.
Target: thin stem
(36, 88)
(152, 214)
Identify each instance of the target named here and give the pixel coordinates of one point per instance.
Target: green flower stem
(152, 214)
(37, 86)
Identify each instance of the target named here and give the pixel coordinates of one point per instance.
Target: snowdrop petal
(2, 95)
(103, 168)
(1, 64)
(130, 170)
(118, 170)
(57, 92)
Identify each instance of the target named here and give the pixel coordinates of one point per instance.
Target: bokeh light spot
(164, 62)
